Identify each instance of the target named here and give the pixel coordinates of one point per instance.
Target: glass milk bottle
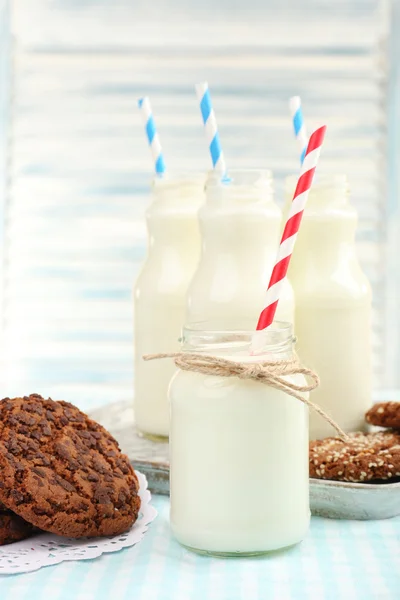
(333, 307)
(240, 226)
(238, 449)
(160, 293)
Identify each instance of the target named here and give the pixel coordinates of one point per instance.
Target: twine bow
(271, 373)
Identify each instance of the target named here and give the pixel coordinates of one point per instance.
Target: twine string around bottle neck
(271, 373)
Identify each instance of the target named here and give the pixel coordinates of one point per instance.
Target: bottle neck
(177, 194)
(329, 222)
(253, 237)
(172, 215)
(240, 216)
(219, 338)
(325, 252)
(242, 190)
(329, 193)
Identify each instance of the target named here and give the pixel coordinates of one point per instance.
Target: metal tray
(362, 501)
(333, 499)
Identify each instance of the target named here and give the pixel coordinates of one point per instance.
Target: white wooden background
(79, 166)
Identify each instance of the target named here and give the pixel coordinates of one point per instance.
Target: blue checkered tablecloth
(339, 560)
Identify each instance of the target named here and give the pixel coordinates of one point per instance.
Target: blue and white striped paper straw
(299, 125)
(210, 125)
(152, 135)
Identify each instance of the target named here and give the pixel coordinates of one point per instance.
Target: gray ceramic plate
(333, 499)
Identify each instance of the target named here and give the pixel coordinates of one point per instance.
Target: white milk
(160, 293)
(333, 307)
(238, 453)
(240, 226)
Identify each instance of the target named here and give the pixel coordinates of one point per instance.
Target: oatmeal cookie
(384, 414)
(364, 457)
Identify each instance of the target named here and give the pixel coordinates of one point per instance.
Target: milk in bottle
(333, 307)
(238, 448)
(240, 226)
(160, 293)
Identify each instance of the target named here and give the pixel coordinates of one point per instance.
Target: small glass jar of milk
(333, 306)
(238, 448)
(240, 227)
(160, 292)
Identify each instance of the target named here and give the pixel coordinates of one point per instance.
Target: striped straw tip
(291, 228)
(152, 135)
(201, 88)
(316, 138)
(210, 126)
(320, 130)
(294, 102)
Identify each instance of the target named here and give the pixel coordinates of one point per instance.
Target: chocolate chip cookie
(364, 457)
(63, 472)
(384, 414)
(12, 527)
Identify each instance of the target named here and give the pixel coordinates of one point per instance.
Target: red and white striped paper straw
(291, 228)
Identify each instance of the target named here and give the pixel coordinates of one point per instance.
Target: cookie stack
(61, 472)
(364, 457)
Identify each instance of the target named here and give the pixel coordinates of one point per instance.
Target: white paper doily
(48, 549)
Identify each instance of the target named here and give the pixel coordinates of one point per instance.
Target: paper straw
(152, 135)
(292, 227)
(210, 126)
(299, 125)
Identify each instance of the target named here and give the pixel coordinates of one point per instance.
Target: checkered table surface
(339, 560)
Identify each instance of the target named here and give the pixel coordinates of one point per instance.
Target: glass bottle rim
(324, 181)
(178, 179)
(238, 178)
(224, 336)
